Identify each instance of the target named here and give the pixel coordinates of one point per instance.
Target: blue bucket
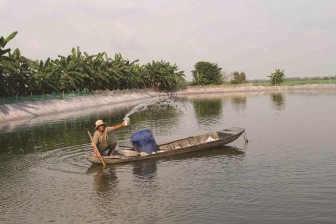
(143, 141)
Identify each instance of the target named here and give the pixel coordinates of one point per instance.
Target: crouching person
(105, 146)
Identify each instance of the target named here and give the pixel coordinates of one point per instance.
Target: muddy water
(285, 174)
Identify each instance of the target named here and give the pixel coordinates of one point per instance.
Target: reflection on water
(284, 175)
(208, 107)
(208, 110)
(105, 180)
(239, 102)
(43, 137)
(162, 117)
(278, 100)
(145, 169)
(221, 151)
(65, 133)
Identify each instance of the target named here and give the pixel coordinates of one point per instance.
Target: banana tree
(44, 77)
(163, 76)
(21, 79)
(7, 66)
(70, 71)
(19, 75)
(277, 77)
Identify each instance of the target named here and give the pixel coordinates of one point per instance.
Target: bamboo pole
(94, 147)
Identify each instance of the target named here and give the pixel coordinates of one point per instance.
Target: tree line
(80, 71)
(207, 73)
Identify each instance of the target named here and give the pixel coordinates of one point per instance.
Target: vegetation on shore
(81, 71)
(297, 81)
(277, 77)
(206, 73)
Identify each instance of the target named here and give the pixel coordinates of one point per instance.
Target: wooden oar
(96, 151)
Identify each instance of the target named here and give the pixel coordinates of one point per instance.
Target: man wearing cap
(100, 138)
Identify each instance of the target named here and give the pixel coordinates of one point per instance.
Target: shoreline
(34, 109)
(251, 88)
(53, 107)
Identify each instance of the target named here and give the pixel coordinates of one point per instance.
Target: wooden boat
(186, 145)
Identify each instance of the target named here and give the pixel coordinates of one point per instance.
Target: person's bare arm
(119, 125)
(109, 129)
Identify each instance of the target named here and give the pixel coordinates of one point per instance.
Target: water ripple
(284, 175)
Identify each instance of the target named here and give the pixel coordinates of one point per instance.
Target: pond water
(285, 174)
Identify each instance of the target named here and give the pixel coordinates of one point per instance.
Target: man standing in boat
(105, 146)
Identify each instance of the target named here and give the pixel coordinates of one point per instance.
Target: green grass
(268, 83)
(297, 83)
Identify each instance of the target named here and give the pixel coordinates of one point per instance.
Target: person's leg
(103, 149)
(112, 144)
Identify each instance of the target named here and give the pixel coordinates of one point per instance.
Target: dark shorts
(106, 148)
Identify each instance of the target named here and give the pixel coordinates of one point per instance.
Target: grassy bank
(296, 82)
(29, 109)
(268, 84)
(226, 86)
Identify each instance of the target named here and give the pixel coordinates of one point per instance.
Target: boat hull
(187, 145)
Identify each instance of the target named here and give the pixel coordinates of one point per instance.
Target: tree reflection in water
(239, 102)
(278, 100)
(208, 110)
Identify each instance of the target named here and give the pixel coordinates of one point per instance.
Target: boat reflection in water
(145, 169)
(106, 180)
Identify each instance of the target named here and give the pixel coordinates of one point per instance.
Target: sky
(253, 36)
